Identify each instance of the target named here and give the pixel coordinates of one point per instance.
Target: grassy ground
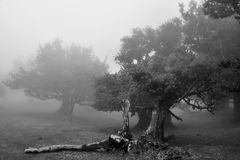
(209, 137)
(204, 139)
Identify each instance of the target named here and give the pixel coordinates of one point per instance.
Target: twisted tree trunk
(145, 116)
(66, 108)
(152, 128)
(156, 128)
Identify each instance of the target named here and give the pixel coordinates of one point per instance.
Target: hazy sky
(24, 24)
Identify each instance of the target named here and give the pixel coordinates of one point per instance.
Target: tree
(222, 8)
(2, 90)
(217, 39)
(111, 88)
(195, 84)
(137, 50)
(163, 72)
(214, 39)
(178, 62)
(62, 73)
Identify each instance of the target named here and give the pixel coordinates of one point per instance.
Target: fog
(69, 67)
(101, 24)
(27, 24)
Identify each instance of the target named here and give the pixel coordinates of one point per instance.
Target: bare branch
(175, 116)
(197, 105)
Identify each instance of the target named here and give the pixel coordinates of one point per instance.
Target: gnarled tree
(197, 85)
(62, 73)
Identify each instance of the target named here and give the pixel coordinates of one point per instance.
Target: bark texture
(66, 108)
(152, 126)
(156, 127)
(145, 116)
(113, 142)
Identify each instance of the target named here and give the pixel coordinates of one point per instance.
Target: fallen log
(113, 142)
(122, 141)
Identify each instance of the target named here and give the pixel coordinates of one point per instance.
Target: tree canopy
(215, 39)
(222, 8)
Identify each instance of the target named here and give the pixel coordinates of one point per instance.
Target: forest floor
(204, 139)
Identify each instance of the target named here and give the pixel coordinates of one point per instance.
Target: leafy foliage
(210, 38)
(162, 67)
(222, 8)
(110, 90)
(178, 61)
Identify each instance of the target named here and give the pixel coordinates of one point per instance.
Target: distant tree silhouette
(2, 90)
(62, 73)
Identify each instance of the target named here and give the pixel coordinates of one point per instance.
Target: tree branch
(208, 107)
(175, 116)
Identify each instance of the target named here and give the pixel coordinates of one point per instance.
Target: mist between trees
(191, 61)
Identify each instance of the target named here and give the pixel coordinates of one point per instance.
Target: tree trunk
(236, 109)
(63, 109)
(125, 131)
(152, 125)
(145, 116)
(161, 124)
(66, 109)
(156, 128)
(169, 123)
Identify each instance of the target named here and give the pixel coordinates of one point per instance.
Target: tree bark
(161, 124)
(152, 125)
(156, 128)
(66, 108)
(125, 131)
(145, 116)
(113, 142)
(236, 105)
